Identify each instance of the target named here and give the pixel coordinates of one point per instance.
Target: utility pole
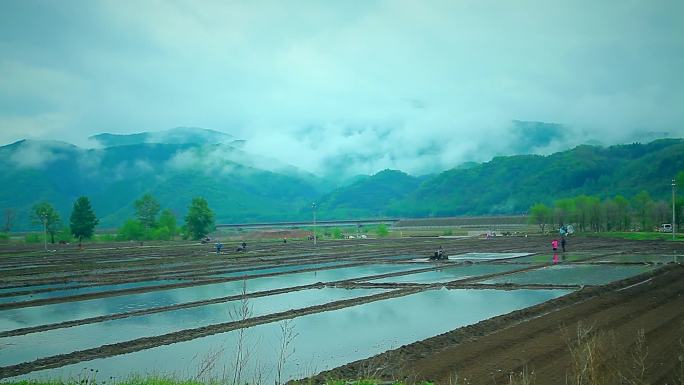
(313, 206)
(674, 223)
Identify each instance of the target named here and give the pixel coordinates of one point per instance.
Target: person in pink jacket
(554, 244)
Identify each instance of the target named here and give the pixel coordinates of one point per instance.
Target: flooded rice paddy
(172, 315)
(325, 340)
(572, 275)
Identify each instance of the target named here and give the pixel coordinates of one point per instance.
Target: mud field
(114, 306)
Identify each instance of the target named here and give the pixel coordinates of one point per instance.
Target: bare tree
(242, 351)
(9, 215)
(287, 337)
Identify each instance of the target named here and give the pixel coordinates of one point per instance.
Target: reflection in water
(324, 340)
(572, 275)
(39, 315)
(43, 344)
(449, 273)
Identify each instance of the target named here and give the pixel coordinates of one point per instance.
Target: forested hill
(512, 184)
(236, 184)
(242, 187)
(370, 196)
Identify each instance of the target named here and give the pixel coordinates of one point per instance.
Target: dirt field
(484, 353)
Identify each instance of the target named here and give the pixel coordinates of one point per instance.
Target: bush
(336, 233)
(33, 238)
(107, 237)
(160, 234)
(132, 230)
(4, 237)
(64, 235)
(381, 231)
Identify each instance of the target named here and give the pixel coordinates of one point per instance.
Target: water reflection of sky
(39, 315)
(450, 273)
(43, 344)
(324, 340)
(84, 290)
(120, 286)
(572, 275)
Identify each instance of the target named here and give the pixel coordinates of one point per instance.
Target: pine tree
(83, 220)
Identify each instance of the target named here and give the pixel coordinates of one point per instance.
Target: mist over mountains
(182, 163)
(178, 135)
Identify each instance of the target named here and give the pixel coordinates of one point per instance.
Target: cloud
(209, 160)
(346, 87)
(37, 154)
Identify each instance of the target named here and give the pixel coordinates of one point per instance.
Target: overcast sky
(356, 85)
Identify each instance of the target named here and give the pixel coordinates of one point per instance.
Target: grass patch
(638, 236)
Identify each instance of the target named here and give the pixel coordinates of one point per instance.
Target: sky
(347, 86)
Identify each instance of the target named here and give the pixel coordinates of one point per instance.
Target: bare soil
(484, 353)
(535, 340)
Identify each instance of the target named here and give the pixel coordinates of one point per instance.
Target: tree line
(82, 220)
(590, 213)
(149, 223)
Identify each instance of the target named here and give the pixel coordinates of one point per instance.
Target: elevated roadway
(334, 223)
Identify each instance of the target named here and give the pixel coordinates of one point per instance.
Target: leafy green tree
(200, 219)
(65, 235)
(564, 211)
(161, 233)
(622, 212)
(594, 213)
(640, 203)
(336, 233)
(679, 179)
(167, 219)
(582, 211)
(609, 215)
(45, 215)
(679, 201)
(146, 209)
(131, 230)
(83, 220)
(541, 215)
(679, 213)
(659, 212)
(381, 230)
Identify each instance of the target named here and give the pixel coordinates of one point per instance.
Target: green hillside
(369, 197)
(512, 184)
(175, 173)
(239, 189)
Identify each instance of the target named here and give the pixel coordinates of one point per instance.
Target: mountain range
(179, 164)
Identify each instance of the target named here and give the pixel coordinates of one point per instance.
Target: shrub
(160, 234)
(33, 238)
(132, 230)
(381, 231)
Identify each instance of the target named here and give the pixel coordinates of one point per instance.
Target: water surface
(324, 340)
(572, 275)
(29, 347)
